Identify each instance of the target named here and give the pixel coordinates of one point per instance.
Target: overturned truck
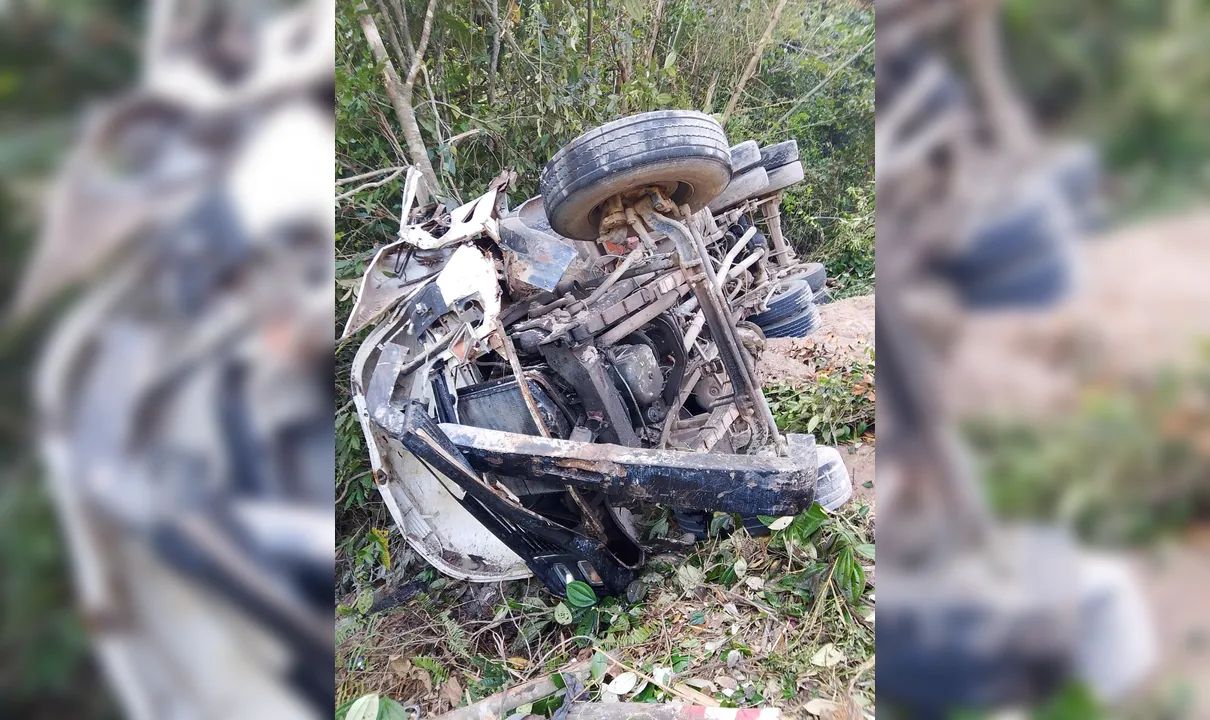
(537, 374)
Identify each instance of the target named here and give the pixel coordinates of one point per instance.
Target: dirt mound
(846, 336)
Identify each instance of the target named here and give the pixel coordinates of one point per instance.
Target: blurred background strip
(1042, 476)
(166, 502)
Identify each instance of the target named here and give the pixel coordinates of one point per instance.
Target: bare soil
(1142, 303)
(846, 336)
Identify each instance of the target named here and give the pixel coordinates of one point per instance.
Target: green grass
(745, 621)
(838, 407)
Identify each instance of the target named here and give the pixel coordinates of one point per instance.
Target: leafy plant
(838, 406)
(1125, 466)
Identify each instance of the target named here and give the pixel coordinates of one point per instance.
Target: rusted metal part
(718, 317)
(747, 484)
(782, 253)
(639, 319)
(613, 215)
(589, 514)
(510, 353)
(632, 296)
(533, 258)
(584, 368)
(565, 371)
(725, 266)
(614, 277)
(675, 409)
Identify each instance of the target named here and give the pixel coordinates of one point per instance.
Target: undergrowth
(1126, 466)
(741, 620)
(838, 406)
(783, 620)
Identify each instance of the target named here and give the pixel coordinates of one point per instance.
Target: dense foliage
(814, 83)
(1131, 75)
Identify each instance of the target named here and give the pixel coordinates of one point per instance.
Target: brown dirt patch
(846, 334)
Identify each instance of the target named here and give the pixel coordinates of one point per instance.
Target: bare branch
(366, 175)
(827, 78)
(418, 58)
(400, 11)
(370, 185)
(392, 33)
(655, 31)
(400, 94)
(498, 30)
(754, 61)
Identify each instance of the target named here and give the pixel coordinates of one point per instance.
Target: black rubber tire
(744, 156)
(801, 325)
(816, 275)
(683, 151)
(1021, 259)
(743, 186)
(782, 153)
(783, 177)
(1039, 283)
(789, 301)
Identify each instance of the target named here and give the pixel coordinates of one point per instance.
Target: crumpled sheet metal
(382, 287)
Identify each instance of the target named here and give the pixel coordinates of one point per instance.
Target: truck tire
(745, 156)
(683, 151)
(776, 155)
(789, 300)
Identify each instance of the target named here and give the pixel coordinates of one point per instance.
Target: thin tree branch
(497, 31)
(400, 11)
(366, 175)
(819, 86)
(754, 61)
(392, 33)
(400, 94)
(418, 58)
(655, 31)
(370, 185)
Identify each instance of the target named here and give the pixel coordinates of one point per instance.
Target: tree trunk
(498, 30)
(655, 31)
(754, 61)
(400, 93)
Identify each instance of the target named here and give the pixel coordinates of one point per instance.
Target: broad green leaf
(580, 594)
(562, 614)
(741, 567)
(388, 709)
(598, 666)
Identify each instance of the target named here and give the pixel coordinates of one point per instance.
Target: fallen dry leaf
(452, 691)
(827, 656)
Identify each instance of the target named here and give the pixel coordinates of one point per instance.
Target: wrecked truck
(537, 375)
